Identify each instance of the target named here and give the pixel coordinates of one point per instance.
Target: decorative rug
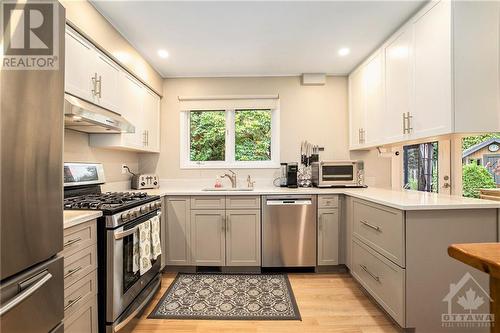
(228, 297)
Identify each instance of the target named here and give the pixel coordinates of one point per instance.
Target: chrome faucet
(232, 178)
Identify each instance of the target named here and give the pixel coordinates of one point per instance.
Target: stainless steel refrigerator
(31, 225)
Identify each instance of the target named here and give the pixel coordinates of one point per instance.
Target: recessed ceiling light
(163, 54)
(344, 51)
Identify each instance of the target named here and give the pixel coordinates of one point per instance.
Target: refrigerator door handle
(19, 298)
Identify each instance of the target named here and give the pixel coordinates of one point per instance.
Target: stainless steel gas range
(122, 293)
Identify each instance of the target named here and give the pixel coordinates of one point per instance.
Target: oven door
(338, 174)
(122, 284)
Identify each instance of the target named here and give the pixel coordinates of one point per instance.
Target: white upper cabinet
(356, 108)
(94, 77)
(398, 84)
(440, 76)
(152, 120)
(78, 78)
(107, 74)
(374, 99)
(432, 58)
(89, 74)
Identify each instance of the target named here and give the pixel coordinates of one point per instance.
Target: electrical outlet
(124, 169)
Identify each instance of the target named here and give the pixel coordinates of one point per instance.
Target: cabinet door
(108, 89)
(84, 319)
(356, 107)
(243, 238)
(328, 237)
(433, 112)
(208, 237)
(151, 112)
(132, 104)
(178, 231)
(398, 84)
(78, 72)
(374, 99)
(163, 232)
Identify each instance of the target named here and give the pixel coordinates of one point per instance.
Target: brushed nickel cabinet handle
(375, 277)
(100, 87)
(94, 84)
(374, 227)
(72, 241)
(72, 302)
(72, 271)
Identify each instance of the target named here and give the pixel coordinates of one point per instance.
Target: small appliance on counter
(283, 174)
(291, 174)
(338, 174)
(144, 181)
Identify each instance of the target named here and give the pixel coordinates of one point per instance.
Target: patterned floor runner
(228, 297)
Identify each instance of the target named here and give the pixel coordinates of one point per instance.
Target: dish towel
(155, 237)
(135, 252)
(144, 247)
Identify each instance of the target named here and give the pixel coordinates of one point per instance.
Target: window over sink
(230, 138)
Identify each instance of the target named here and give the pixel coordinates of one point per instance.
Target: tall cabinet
(438, 74)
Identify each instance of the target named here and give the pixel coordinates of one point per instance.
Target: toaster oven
(338, 174)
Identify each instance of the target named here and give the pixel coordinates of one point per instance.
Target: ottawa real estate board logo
(30, 35)
(468, 305)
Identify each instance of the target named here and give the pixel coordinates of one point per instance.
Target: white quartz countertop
(404, 200)
(74, 217)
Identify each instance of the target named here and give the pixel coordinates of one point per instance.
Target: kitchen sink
(218, 189)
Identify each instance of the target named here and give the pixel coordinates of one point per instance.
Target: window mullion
(230, 136)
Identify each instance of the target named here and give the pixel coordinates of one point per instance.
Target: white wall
(77, 149)
(317, 114)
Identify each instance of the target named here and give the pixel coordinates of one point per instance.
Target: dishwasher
(289, 231)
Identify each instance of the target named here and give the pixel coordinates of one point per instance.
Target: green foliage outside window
(470, 141)
(253, 135)
(475, 177)
(207, 135)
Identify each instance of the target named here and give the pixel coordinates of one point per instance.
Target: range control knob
(144, 209)
(143, 183)
(125, 216)
(152, 206)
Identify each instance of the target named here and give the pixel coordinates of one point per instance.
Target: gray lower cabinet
(328, 236)
(80, 278)
(163, 228)
(208, 237)
(243, 237)
(84, 319)
(212, 235)
(177, 231)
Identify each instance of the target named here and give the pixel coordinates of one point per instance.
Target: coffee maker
(291, 175)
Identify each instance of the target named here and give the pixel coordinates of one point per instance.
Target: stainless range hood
(80, 115)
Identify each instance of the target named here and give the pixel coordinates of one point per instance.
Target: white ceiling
(255, 38)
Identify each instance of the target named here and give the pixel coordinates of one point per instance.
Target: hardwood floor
(327, 303)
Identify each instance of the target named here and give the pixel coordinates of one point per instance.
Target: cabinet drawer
(208, 202)
(83, 319)
(382, 228)
(243, 202)
(328, 201)
(79, 237)
(381, 278)
(79, 265)
(76, 295)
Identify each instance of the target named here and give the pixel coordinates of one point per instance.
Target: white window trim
(230, 162)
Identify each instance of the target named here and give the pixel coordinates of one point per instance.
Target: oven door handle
(128, 232)
(123, 234)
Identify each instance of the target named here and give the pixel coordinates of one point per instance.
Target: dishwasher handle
(289, 202)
